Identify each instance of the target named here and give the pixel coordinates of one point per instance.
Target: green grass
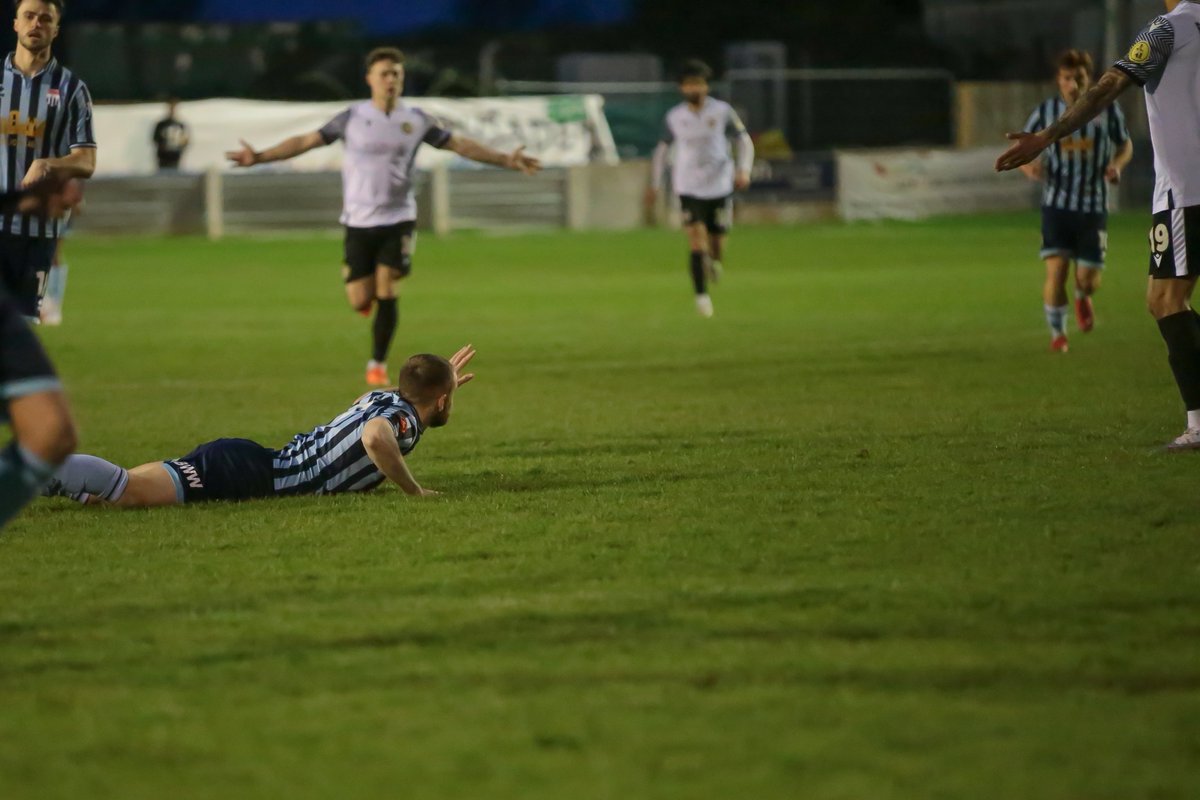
(858, 536)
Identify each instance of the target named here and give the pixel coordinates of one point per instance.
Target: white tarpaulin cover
(911, 184)
(562, 131)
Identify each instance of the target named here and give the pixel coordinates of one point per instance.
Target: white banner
(912, 184)
(562, 131)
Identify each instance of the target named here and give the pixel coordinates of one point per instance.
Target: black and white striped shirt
(1075, 165)
(44, 116)
(332, 459)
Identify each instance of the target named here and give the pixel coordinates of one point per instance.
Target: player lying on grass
(355, 452)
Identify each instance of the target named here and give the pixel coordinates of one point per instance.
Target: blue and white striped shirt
(1075, 165)
(332, 459)
(44, 116)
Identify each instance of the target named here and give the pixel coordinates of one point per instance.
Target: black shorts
(1076, 235)
(1175, 243)
(716, 214)
(227, 469)
(389, 245)
(24, 367)
(24, 263)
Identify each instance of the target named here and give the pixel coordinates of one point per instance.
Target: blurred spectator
(170, 139)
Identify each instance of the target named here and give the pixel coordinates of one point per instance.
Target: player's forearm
(658, 165)
(288, 148)
(1085, 109)
(1123, 156)
(386, 455)
(476, 151)
(80, 163)
(743, 149)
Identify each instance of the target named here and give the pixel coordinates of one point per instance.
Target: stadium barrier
(218, 203)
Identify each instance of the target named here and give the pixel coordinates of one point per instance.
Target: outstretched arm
(379, 439)
(288, 148)
(476, 151)
(1028, 146)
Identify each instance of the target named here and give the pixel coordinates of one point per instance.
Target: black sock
(1181, 332)
(387, 314)
(698, 273)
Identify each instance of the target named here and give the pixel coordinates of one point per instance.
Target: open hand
(1112, 174)
(246, 157)
(517, 160)
(51, 198)
(1025, 148)
(460, 360)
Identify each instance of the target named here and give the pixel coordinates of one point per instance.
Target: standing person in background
(705, 173)
(382, 136)
(46, 122)
(171, 138)
(1076, 171)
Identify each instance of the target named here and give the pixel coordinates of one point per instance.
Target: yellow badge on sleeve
(1140, 52)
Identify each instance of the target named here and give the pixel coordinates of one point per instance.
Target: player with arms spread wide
(1076, 171)
(356, 452)
(381, 137)
(1165, 59)
(704, 174)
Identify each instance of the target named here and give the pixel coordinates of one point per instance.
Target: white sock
(1056, 318)
(1194, 419)
(56, 284)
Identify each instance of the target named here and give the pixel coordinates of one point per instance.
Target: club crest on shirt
(53, 98)
(407, 127)
(712, 123)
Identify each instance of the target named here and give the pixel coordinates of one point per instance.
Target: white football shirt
(1165, 59)
(703, 165)
(378, 166)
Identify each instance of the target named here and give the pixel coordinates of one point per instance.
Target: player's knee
(1163, 304)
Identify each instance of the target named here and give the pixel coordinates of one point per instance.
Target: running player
(1165, 60)
(46, 132)
(1076, 171)
(31, 398)
(704, 174)
(381, 136)
(355, 452)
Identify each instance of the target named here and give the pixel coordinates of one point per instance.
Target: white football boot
(1188, 440)
(704, 306)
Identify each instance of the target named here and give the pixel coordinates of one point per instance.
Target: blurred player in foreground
(1165, 60)
(31, 396)
(704, 173)
(381, 137)
(355, 452)
(1076, 171)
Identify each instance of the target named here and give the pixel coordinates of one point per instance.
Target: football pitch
(859, 536)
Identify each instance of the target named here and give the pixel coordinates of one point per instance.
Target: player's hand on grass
(517, 160)
(246, 157)
(459, 361)
(741, 181)
(1025, 148)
